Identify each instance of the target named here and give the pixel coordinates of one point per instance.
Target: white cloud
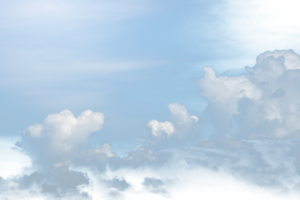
(223, 92)
(61, 135)
(51, 146)
(261, 103)
(182, 122)
(291, 59)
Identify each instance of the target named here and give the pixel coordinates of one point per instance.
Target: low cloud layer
(243, 146)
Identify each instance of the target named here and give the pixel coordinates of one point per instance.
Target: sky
(128, 99)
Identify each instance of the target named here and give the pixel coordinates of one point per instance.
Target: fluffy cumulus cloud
(243, 146)
(51, 145)
(252, 118)
(60, 136)
(180, 131)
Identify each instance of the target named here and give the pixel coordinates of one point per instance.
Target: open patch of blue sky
(141, 99)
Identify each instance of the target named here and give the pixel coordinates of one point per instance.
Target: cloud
(58, 184)
(261, 103)
(244, 145)
(249, 128)
(60, 136)
(181, 130)
(51, 146)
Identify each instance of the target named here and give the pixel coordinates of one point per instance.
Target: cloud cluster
(51, 146)
(250, 125)
(182, 130)
(245, 140)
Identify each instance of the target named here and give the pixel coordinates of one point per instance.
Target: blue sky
(142, 69)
